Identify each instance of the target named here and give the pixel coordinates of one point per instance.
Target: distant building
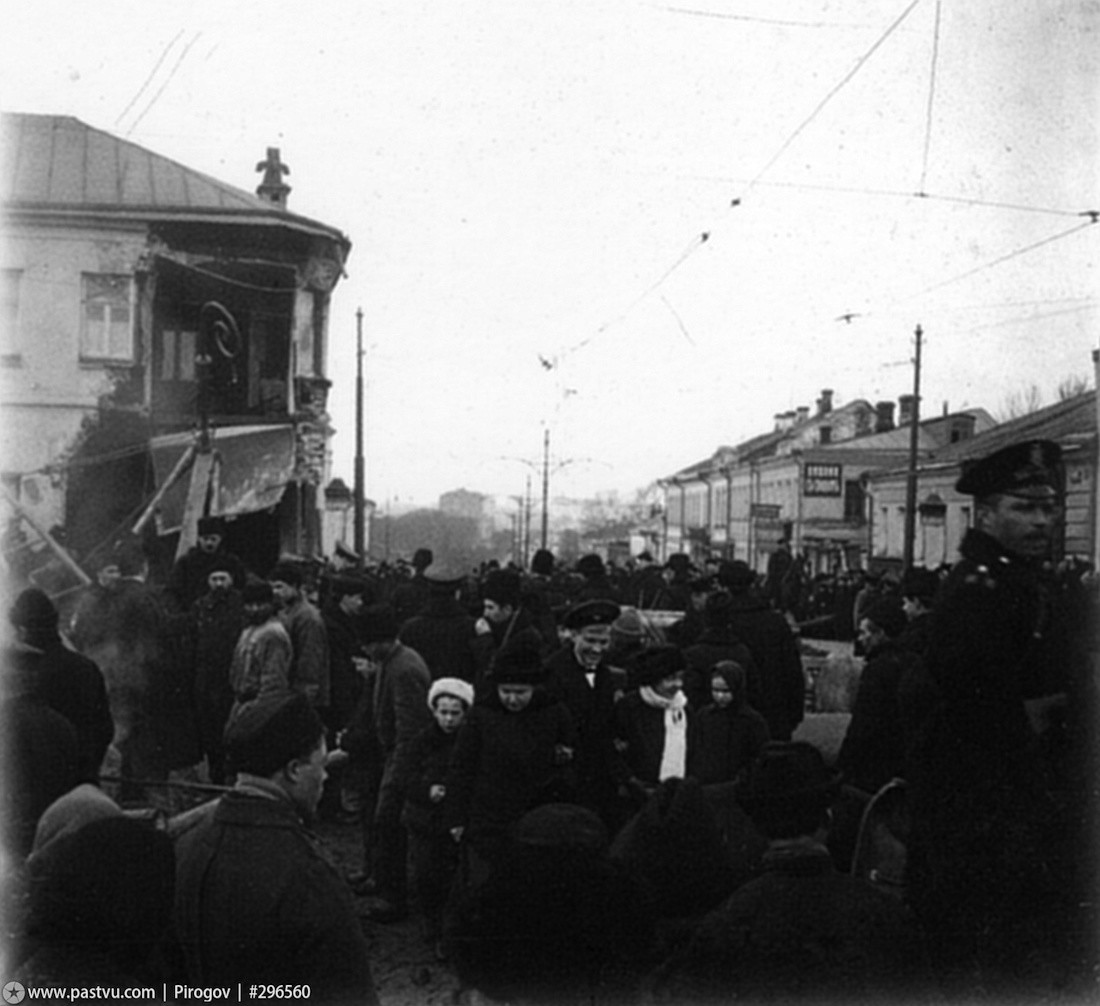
(143, 302)
(804, 482)
(943, 515)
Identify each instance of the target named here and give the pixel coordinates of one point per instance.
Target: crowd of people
(579, 801)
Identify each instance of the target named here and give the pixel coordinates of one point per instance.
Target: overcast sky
(670, 203)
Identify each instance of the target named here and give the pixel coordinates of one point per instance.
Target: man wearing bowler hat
(1000, 787)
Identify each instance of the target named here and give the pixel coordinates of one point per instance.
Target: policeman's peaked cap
(1029, 469)
(587, 613)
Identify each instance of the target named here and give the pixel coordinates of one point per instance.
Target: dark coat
(640, 734)
(444, 635)
(592, 708)
(345, 682)
(422, 764)
(218, 620)
(878, 737)
(188, 579)
(782, 697)
(504, 764)
(257, 900)
(996, 807)
(713, 645)
(71, 684)
(726, 740)
(801, 931)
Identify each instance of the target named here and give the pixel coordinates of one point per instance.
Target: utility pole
(527, 523)
(359, 477)
(545, 483)
(911, 479)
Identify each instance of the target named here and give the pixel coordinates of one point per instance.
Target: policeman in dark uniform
(998, 789)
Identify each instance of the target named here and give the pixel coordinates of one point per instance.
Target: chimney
(802, 414)
(884, 417)
(905, 410)
(825, 433)
(273, 188)
(825, 402)
(779, 422)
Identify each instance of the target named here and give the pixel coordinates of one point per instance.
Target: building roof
(58, 163)
(1070, 423)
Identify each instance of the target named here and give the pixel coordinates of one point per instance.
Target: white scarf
(674, 753)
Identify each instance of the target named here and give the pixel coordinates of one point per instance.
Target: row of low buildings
(163, 348)
(832, 481)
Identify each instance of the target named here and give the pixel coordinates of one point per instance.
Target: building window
(106, 332)
(853, 500)
(10, 282)
(177, 361)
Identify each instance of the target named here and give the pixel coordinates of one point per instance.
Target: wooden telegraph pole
(911, 480)
(360, 489)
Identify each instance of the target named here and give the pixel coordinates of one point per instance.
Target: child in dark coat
(422, 773)
(728, 733)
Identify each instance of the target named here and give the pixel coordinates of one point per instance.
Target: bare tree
(1020, 403)
(1071, 387)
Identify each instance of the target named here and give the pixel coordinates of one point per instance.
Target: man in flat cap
(256, 899)
(999, 788)
(579, 675)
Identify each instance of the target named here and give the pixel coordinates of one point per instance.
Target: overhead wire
(833, 92)
(171, 76)
(931, 100)
(148, 80)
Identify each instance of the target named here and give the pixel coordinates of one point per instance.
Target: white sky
(523, 178)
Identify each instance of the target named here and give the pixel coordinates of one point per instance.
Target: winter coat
(345, 682)
(712, 646)
(444, 635)
(309, 667)
(261, 661)
(782, 696)
(726, 740)
(800, 931)
(592, 708)
(257, 900)
(504, 764)
(422, 764)
(640, 734)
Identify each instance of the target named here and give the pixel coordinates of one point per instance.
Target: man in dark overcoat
(998, 865)
(443, 633)
(579, 676)
(256, 898)
(782, 695)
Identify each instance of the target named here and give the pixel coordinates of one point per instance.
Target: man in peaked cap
(443, 631)
(1001, 777)
(579, 675)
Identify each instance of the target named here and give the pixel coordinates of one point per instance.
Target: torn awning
(254, 465)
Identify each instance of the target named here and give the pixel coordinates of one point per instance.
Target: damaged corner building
(163, 345)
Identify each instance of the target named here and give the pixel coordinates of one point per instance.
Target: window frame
(103, 354)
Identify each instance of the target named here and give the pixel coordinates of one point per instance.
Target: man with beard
(1000, 859)
(189, 577)
(256, 899)
(218, 618)
(579, 676)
